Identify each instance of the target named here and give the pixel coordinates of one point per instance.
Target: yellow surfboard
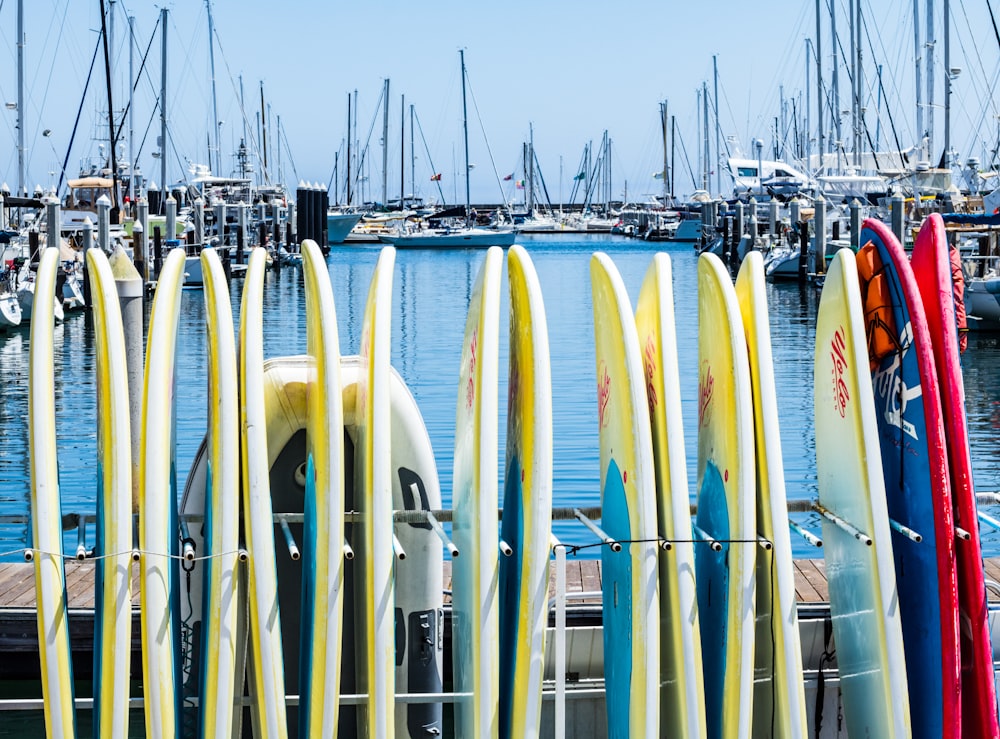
(46, 514)
(475, 626)
(374, 597)
(682, 685)
(779, 702)
(631, 608)
(726, 508)
(113, 576)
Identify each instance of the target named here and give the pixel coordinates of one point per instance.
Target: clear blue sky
(571, 70)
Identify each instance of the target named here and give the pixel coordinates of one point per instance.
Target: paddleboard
(46, 515)
(917, 486)
(374, 596)
(779, 701)
(932, 270)
(220, 601)
(475, 627)
(726, 507)
(527, 504)
(628, 513)
(682, 683)
(113, 545)
(158, 525)
(864, 601)
(267, 675)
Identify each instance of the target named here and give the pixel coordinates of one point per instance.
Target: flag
(509, 177)
(519, 184)
(436, 177)
(581, 176)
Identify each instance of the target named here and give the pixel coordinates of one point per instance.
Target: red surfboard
(932, 269)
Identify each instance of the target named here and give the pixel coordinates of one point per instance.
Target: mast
(163, 101)
(402, 149)
(20, 98)
(531, 169)
(819, 89)
(111, 118)
(707, 174)
(385, 143)
(854, 80)
(263, 135)
(243, 109)
(808, 139)
(215, 103)
(859, 81)
(465, 134)
(413, 156)
(663, 132)
(931, 41)
(348, 184)
(918, 60)
(946, 156)
(673, 152)
(839, 141)
(718, 149)
(131, 107)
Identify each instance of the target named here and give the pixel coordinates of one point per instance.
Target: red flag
(436, 177)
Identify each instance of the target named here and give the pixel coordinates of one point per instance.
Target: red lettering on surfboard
(706, 387)
(840, 394)
(649, 365)
(603, 394)
(470, 394)
(513, 381)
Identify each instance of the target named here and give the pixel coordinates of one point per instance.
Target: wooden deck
(17, 583)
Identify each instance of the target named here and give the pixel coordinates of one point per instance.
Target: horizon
(566, 75)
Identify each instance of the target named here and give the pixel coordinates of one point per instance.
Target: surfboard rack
(703, 536)
(505, 548)
(843, 525)
(764, 544)
(811, 538)
(438, 529)
(905, 531)
(81, 539)
(293, 548)
(988, 520)
(397, 548)
(597, 531)
(348, 551)
(962, 534)
(187, 543)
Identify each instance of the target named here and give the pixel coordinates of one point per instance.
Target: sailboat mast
(215, 103)
(663, 132)
(111, 116)
(385, 143)
(918, 61)
(20, 98)
(347, 187)
(947, 85)
(402, 149)
(263, 134)
(929, 46)
(131, 108)
(163, 100)
(465, 134)
(715, 103)
(819, 89)
(413, 156)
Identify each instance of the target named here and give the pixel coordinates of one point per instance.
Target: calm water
(431, 296)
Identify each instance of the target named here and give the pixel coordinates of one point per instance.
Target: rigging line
(994, 21)
(288, 150)
(687, 161)
(429, 160)
(364, 150)
(482, 128)
(135, 85)
(250, 126)
(79, 110)
(48, 83)
(988, 98)
(888, 109)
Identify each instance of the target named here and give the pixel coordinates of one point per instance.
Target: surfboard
(323, 522)
(46, 515)
(779, 702)
(267, 676)
(682, 683)
(158, 525)
(915, 469)
(374, 596)
(221, 596)
(630, 595)
(726, 507)
(932, 270)
(475, 627)
(113, 543)
(527, 504)
(864, 602)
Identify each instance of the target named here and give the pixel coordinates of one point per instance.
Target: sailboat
(461, 237)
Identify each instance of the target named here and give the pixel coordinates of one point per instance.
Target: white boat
(26, 293)
(982, 302)
(339, 225)
(782, 263)
(10, 308)
(450, 238)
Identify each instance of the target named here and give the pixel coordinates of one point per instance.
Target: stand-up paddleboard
(932, 269)
(323, 521)
(917, 484)
(527, 505)
(415, 486)
(46, 515)
(374, 598)
(113, 546)
(779, 701)
(628, 513)
(220, 593)
(682, 683)
(476, 639)
(158, 532)
(864, 602)
(726, 508)
(267, 675)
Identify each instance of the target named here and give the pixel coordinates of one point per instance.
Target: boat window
(746, 171)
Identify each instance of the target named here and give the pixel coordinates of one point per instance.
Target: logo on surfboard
(649, 365)
(892, 390)
(470, 393)
(603, 393)
(840, 394)
(706, 388)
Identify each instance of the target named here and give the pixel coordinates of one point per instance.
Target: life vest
(880, 325)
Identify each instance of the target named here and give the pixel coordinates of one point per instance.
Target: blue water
(431, 295)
